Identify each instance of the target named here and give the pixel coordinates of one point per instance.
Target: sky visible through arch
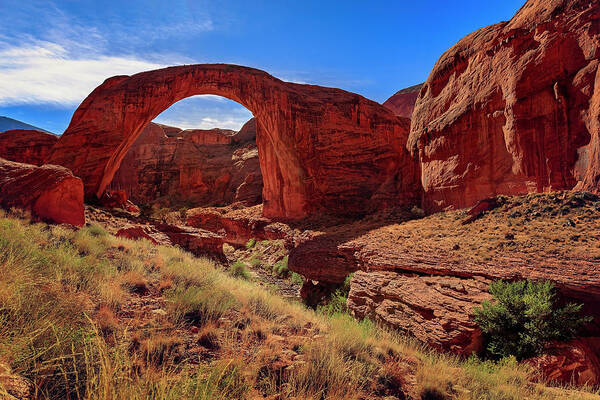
(54, 53)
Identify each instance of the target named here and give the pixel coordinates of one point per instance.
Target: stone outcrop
(321, 150)
(137, 233)
(191, 167)
(434, 309)
(513, 108)
(402, 103)
(51, 193)
(237, 228)
(575, 362)
(26, 146)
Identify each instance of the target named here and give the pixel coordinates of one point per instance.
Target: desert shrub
(337, 301)
(297, 278)
(238, 270)
(255, 262)
(523, 317)
(251, 243)
(281, 267)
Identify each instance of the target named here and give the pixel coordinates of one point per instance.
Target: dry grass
(74, 324)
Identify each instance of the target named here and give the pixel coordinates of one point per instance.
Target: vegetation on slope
(86, 315)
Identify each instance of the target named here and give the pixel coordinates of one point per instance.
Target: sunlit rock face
(513, 108)
(51, 193)
(177, 167)
(321, 150)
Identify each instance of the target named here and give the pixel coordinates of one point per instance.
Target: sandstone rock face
(320, 149)
(513, 108)
(191, 167)
(434, 309)
(136, 233)
(26, 146)
(402, 103)
(575, 362)
(50, 192)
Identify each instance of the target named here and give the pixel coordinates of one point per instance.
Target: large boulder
(321, 150)
(191, 167)
(26, 145)
(513, 108)
(52, 193)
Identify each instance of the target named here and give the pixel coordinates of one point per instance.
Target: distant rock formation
(7, 124)
(402, 103)
(26, 146)
(50, 192)
(192, 167)
(513, 108)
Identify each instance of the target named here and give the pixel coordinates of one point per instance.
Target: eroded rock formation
(402, 103)
(513, 108)
(437, 310)
(192, 167)
(50, 192)
(320, 149)
(26, 146)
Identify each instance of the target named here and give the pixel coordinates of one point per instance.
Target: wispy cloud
(43, 72)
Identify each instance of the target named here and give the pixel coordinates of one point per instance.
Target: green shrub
(523, 317)
(251, 243)
(238, 270)
(337, 301)
(297, 278)
(281, 267)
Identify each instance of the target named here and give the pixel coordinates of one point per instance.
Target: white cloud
(38, 72)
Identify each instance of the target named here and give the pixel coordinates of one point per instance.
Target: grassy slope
(85, 315)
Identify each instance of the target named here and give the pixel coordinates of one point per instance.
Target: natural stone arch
(320, 149)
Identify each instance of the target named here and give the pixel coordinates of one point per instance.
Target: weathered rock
(574, 362)
(50, 192)
(197, 241)
(191, 167)
(321, 150)
(482, 206)
(513, 108)
(402, 103)
(136, 233)
(435, 309)
(117, 199)
(26, 146)
(237, 228)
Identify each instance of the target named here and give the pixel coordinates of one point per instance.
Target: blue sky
(53, 53)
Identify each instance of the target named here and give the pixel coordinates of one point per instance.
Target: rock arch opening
(321, 150)
(199, 152)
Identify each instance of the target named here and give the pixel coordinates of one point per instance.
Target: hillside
(91, 316)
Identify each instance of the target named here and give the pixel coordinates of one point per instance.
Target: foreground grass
(86, 315)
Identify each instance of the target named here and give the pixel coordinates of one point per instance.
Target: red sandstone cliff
(513, 108)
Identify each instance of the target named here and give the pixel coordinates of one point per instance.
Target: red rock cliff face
(50, 192)
(195, 167)
(513, 108)
(402, 103)
(26, 146)
(320, 149)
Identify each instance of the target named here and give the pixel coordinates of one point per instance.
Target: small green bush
(281, 267)
(337, 301)
(523, 317)
(251, 243)
(238, 270)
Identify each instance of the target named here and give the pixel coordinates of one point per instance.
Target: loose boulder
(52, 193)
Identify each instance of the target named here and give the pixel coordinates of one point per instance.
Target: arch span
(320, 149)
